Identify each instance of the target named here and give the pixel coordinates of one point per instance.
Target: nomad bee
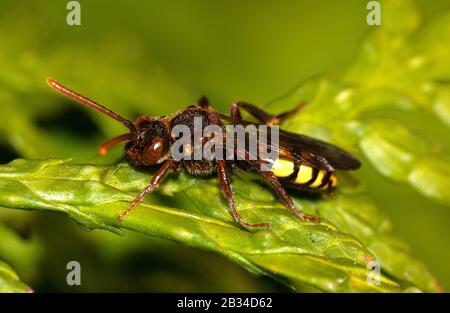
(303, 163)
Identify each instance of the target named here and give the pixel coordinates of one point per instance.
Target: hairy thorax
(196, 119)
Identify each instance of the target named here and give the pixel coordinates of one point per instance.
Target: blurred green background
(156, 57)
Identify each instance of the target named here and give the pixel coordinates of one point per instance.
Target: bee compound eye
(153, 152)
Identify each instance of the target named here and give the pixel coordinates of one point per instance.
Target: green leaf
(9, 280)
(402, 58)
(322, 255)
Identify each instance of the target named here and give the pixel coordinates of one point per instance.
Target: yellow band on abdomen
(283, 168)
(333, 180)
(318, 181)
(304, 174)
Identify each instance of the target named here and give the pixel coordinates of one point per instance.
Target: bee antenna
(89, 103)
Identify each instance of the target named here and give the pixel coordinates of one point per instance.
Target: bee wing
(319, 154)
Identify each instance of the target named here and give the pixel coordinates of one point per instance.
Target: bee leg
(225, 186)
(203, 102)
(285, 197)
(261, 115)
(154, 183)
(285, 115)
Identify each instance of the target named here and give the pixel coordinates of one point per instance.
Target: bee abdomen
(304, 177)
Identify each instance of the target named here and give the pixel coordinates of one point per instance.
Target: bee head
(148, 139)
(150, 142)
